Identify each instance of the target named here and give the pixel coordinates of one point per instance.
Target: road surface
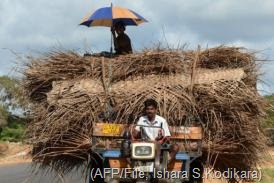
(20, 173)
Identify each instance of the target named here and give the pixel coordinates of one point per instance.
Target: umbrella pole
(109, 107)
(111, 43)
(111, 37)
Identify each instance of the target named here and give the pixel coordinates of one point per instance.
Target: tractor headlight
(142, 150)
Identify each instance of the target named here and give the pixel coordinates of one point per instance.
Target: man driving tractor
(145, 148)
(155, 134)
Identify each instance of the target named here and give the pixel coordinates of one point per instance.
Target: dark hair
(151, 102)
(120, 23)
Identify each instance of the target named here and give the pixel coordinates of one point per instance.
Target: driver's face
(151, 111)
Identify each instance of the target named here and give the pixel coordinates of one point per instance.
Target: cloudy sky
(31, 27)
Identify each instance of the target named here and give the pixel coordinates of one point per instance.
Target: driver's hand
(163, 140)
(160, 135)
(136, 134)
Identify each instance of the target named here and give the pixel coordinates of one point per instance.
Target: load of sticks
(215, 87)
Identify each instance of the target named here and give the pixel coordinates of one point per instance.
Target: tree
(3, 116)
(269, 123)
(11, 93)
(11, 98)
(12, 102)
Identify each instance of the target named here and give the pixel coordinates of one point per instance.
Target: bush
(14, 132)
(269, 122)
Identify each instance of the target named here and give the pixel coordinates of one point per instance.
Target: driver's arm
(166, 129)
(165, 133)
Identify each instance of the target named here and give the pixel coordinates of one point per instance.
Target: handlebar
(164, 139)
(148, 126)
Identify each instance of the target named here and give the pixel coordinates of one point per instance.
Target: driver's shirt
(152, 133)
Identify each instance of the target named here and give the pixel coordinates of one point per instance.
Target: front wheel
(96, 165)
(196, 172)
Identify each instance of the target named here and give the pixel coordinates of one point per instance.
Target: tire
(96, 164)
(165, 159)
(194, 165)
(196, 181)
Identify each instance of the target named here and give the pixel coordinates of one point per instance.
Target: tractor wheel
(194, 179)
(96, 163)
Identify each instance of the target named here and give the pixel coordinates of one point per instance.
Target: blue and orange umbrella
(108, 16)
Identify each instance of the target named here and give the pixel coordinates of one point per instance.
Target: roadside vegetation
(269, 123)
(268, 175)
(12, 107)
(13, 131)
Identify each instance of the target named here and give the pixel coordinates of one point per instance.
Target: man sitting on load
(122, 42)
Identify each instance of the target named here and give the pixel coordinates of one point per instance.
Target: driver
(152, 119)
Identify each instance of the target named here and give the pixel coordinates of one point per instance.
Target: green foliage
(268, 175)
(13, 132)
(3, 116)
(11, 92)
(269, 122)
(11, 99)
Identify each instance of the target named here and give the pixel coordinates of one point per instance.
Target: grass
(268, 175)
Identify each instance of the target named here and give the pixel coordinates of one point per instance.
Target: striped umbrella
(108, 16)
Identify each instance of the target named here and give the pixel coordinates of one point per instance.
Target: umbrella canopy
(108, 16)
